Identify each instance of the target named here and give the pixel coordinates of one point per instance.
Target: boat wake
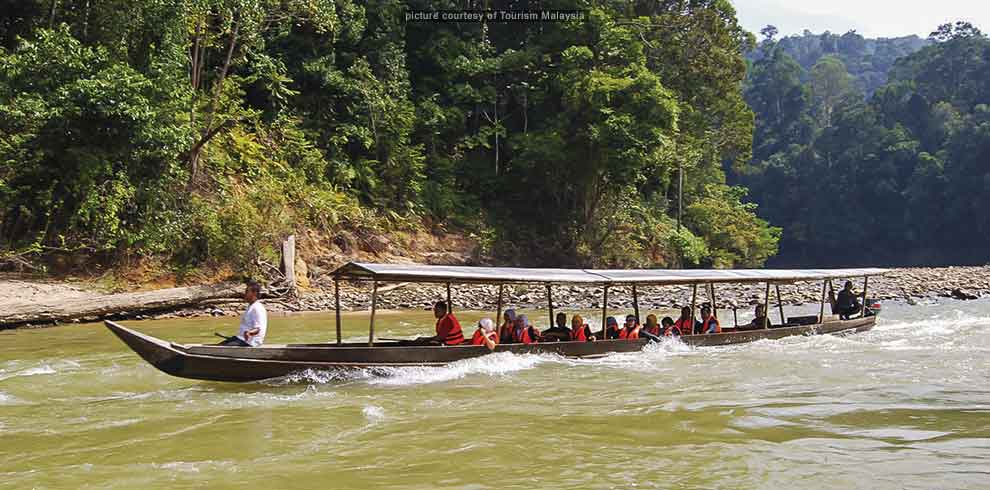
(500, 364)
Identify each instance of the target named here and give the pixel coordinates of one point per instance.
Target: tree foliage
(877, 180)
(203, 130)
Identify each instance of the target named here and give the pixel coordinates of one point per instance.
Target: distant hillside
(867, 60)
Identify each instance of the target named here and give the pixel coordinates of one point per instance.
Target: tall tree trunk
(209, 131)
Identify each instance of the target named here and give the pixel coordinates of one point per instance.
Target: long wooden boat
(227, 363)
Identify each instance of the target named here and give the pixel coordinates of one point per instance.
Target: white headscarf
(486, 324)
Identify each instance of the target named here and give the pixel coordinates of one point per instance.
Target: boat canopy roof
(358, 271)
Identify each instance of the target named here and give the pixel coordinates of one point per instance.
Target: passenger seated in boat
(254, 321)
(630, 331)
(558, 332)
(847, 303)
(580, 332)
(611, 328)
(686, 323)
(669, 329)
(652, 327)
(525, 332)
(508, 325)
(760, 316)
(485, 335)
(709, 324)
(448, 328)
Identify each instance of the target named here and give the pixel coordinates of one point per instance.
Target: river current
(905, 406)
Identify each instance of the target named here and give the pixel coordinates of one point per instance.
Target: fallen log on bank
(56, 308)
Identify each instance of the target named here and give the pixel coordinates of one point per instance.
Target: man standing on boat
(448, 328)
(254, 322)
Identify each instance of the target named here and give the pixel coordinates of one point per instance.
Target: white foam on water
(373, 413)
(8, 399)
(33, 371)
(319, 376)
(498, 364)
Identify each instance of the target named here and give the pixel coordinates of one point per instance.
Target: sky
(870, 18)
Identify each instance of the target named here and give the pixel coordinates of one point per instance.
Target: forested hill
(897, 177)
(867, 60)
(198, 133)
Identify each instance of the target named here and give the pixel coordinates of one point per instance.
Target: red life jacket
(685, 326)
(478, 338)
(654, 330)
(671, 331)
(629, 334)
(579, 334)
(454, 334)
(709, 323)
(528, 336)
(506, 333)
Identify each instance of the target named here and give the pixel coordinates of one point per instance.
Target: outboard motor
(872, 307)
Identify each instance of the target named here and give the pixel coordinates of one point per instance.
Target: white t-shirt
(254, 317)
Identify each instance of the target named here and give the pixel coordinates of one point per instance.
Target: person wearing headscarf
(611, 328)
(505, 331)
(652, 327)
(524, 332)
(485, 335)
(580, 331)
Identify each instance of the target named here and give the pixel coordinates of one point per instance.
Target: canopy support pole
(450, 306)
(831, 297)
(336, 305)
(711, 287)
(735, 317)
(694, 300)
(374, 306)
(780, 305)
(498, 314)
(604, 311)
(550, 304)
(866, 282)
(635, 303)
(821, 314)
(766, 307)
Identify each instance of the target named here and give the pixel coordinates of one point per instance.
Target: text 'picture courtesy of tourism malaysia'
(730, 244)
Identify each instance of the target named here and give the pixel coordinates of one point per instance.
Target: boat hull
(227, 363)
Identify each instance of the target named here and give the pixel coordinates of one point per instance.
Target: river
(906, 405)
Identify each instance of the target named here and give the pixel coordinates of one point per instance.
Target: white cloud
(871, 18)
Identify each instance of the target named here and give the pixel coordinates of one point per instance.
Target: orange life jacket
(527, 337)
(712, 321)
(654, 330)
(454, 334)
(685, 326)
(671, 331)
(629, 334)
(478, 338)
(579, 334)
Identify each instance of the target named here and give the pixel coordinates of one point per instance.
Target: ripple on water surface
(903, 406)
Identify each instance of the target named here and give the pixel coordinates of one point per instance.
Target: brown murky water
(904, 406)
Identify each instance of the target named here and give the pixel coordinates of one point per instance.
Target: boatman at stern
(254, 322)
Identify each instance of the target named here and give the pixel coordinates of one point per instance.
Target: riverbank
(910, 285)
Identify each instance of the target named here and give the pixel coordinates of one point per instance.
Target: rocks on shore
(911, 285)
